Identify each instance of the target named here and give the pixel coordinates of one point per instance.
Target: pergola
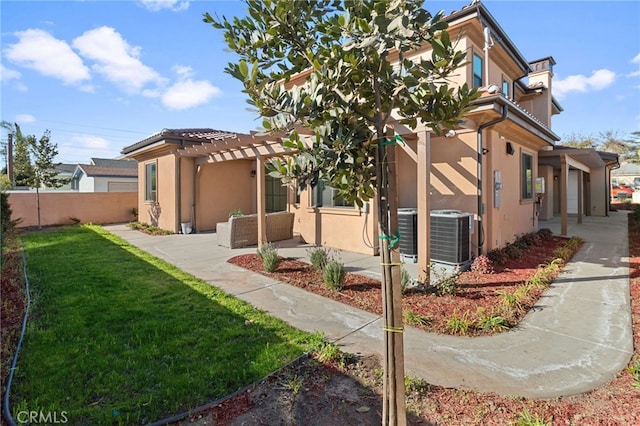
(217, 147)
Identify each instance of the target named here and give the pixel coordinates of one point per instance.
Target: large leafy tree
(342, 70)
(22, 169)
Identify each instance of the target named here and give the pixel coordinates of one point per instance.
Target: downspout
(513, 87)
(179, 186)
(505, 110)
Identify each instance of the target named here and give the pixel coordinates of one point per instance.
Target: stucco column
(424, 213)
(580, 195)
(261, 205)
(564, 179)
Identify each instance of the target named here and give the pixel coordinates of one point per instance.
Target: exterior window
(527, 177)
(324, 197)
(505, 87)
(477, 70)
(275, 195)
(150, 182)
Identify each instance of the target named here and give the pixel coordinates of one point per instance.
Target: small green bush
(412, 318)
(235, 213)
(545, 234)
(269, 255)
(497, 256)
(333, 275)
(513, 251)
(459, 324)
(492, 322)
(444, 282)
(405, 280)
(319, 257)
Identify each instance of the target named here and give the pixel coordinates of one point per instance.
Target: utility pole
(10, 159)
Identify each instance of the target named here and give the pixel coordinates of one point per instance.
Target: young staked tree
(356, 81)
(44, 171)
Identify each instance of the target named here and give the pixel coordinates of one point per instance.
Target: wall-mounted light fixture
(485, 151)
(253, 173)
(450, 133)
(510, 149)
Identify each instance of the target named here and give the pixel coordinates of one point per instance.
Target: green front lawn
(118, 336)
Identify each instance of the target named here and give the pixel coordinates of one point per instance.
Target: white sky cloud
(636, 59)
(25, 118)
(116, 59)
(599, 79)
(38, 50)
(85, 146)
(188, 94)
(7, 74)
(156, 5)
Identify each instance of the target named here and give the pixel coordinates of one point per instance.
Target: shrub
(459, 324)
(492, 322)
(528, 419)
(482, 265)
(513, 251)
(6, 223)
(510, 300)
(269, 255)
(333, 275)
(412, 318)
(319, 257)
(235, 213)
(545, 234)
(497, 256)
(445, 283)
(405, 280)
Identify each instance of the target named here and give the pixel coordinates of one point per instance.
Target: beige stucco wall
(57, 208)
(163, 213)
(338, 228)
(221, 188)
(514, 216)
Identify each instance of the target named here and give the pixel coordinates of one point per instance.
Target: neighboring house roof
(92, 170)
(110, 162)
(66, 168)
(182, 137)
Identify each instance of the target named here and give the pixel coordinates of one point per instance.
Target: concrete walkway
(578, 337)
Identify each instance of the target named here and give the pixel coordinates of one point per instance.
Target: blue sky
(102, 75)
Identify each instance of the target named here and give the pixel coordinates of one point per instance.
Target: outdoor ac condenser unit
(451, 237)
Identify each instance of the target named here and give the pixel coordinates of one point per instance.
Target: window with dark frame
(526, 179)
(477, 70)
(275, 195)
(325, 196)
(150, 176)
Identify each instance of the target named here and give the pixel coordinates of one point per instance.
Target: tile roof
(193, 135)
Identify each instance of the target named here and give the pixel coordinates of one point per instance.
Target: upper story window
(325, 196)
(526, 179)
(478, 70)
(150, 182)
(505, 87)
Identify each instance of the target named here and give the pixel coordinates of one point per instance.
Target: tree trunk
(394, 405)
(38, 205)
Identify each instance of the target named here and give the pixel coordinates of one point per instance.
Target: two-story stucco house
(499, 172)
